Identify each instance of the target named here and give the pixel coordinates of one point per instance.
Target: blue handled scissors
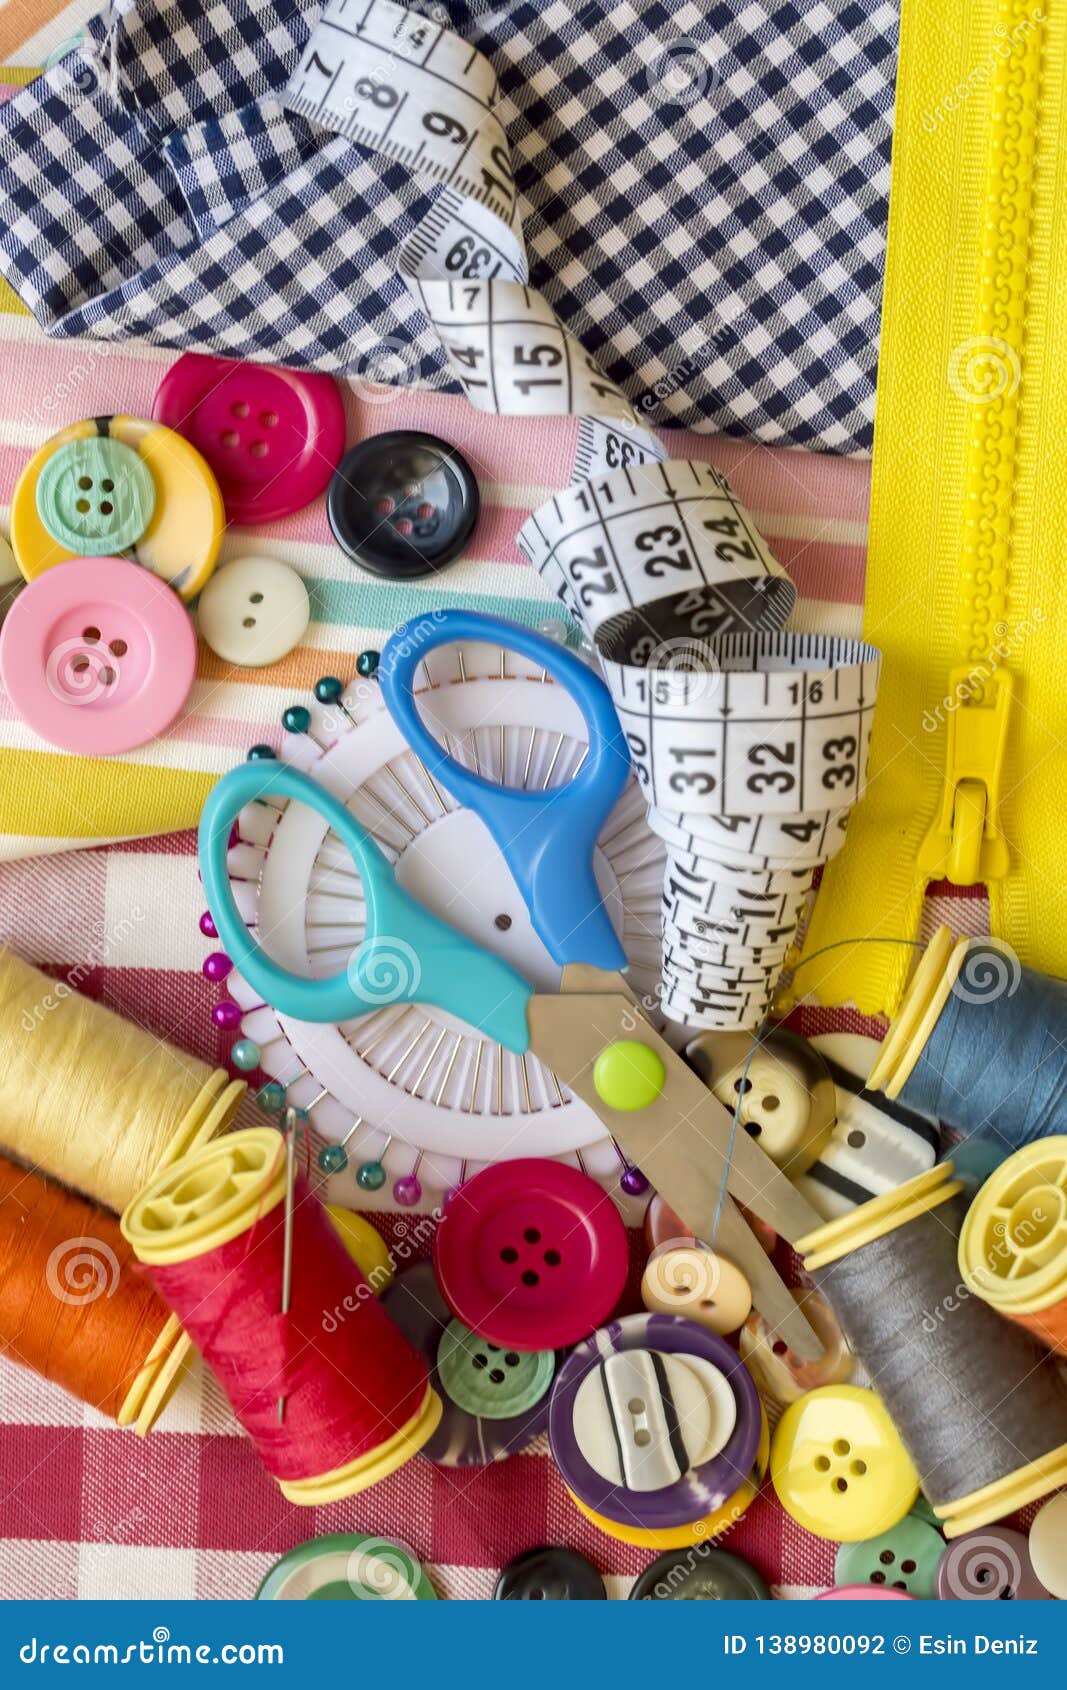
(681, 1138)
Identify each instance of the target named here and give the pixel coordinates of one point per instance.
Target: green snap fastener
(489, 1382)
(628, 1075)
(96, 496)
(903, 1558)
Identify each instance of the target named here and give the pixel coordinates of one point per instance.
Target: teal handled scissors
(591, 1033)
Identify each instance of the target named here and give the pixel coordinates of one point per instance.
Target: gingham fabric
(704, 191)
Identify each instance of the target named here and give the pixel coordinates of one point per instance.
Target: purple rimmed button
(692, 1458)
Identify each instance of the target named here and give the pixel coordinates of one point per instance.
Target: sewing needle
(287, 1247)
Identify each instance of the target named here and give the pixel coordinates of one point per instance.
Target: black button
(550, 1575)
(700, 1574)
(402, 504)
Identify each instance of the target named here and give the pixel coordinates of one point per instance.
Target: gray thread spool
(974, 1397)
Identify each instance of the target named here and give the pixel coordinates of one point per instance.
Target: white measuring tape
(750, 743)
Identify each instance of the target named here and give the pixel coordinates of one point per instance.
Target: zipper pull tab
(965, 845)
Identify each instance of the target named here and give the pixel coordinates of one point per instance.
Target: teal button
(903, 1558)
(96, 496)
(489, 1382)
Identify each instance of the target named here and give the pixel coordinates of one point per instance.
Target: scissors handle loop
(546, 837)
(407, 955)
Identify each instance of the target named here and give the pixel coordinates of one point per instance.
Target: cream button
(698, 1284)
(253, 611)
(642, 1418)
(786, 1095)
(1048, 1545)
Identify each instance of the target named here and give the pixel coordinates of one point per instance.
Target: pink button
(97, 655)
(864, 1593)
(273, 437)
(532, 1255)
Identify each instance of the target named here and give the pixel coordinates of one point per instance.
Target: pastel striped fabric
(812, 510)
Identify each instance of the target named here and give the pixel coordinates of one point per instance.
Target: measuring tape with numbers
(738, 731)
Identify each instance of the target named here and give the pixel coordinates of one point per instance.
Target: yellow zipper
(968, 506)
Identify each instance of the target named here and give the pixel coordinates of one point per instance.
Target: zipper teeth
(1019, 904)
(988, 370)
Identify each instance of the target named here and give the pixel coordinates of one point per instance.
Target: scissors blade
(770, 1295)
(680, 1141)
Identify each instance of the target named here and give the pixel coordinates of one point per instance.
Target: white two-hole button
(253, 611)
(643, 1418)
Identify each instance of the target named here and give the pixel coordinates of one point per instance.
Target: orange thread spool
(74, 1308)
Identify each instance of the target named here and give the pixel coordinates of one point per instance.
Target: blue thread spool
(980, 1042)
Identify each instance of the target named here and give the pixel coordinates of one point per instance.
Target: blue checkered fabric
(704, 191)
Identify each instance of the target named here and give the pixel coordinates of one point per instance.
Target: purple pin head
(217, 966)
(407, 1191)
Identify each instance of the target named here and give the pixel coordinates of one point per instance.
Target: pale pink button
(273, 437)
(97, 655)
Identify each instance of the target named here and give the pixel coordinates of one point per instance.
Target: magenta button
(864, 1593)
(532, 1255)
(273, 437)
(97, 655)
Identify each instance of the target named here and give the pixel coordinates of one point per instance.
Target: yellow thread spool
(97, 1103)
(213, 1196)
(886, 1214)
(1013, 1246)
(927, 993)
(92, 1099)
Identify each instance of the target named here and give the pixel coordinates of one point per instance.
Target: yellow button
(698, 1284)
(365, 1245)
(628, 1075)
(182, 540)
(839, 1467)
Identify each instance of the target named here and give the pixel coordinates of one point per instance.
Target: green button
(903, 1558)
(96, 496)
(489, 1382)
(628, 1075)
